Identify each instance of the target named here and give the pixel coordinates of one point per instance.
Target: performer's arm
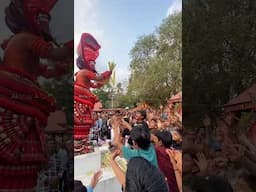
(97, 85)
(60, 69)
(105, 75)
(62, 53)
(45, 50)
(94, 76)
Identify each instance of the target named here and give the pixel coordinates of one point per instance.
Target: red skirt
(24, 109)
(84, 102)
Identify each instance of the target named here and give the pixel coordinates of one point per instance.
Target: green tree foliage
(156, 64)
(219, 62)
(62, 90)
(104, 97)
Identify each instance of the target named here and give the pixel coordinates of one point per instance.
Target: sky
(117, 25)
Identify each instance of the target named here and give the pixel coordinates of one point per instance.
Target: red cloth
(84, 101)
(166, 167)
(24, 109)
(88, 48)
(41, 48)
(32, 8)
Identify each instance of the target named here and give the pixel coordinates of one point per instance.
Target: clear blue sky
(117, 24)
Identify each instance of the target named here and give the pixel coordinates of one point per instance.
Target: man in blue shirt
(140, 140)
(142, 146)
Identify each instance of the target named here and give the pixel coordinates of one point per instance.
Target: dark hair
(210, 184)
(165, 137)
(80, 63)
(125, 132)
(79, 187)
(141, 135)
(142, 176)
(15, 17)
(126, 119)
(153, 120)
(143, 114)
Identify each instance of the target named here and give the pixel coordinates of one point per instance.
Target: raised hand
(96, 178)
(201, 162)
(105, 75)
(175, 158)
(235, 152)
(125, 124)
(115, 122)
(115, 153)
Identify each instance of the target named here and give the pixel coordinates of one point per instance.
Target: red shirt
(166, 168)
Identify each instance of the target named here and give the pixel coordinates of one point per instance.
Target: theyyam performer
(24, 106)
(85, 79)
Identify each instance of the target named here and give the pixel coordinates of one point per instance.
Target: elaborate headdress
(33, 15)
(87, 50)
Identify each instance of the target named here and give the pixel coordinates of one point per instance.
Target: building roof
(176, 98)
(245, 100)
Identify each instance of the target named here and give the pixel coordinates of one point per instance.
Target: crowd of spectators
(219, 155)
(57, 172)
(150, 140)
(216, 155)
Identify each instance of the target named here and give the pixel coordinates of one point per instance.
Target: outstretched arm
(97, 85)
(63, 53)
(94, 76)
(58, 70)
(176, 160)
(94, 180)
(103, 77)
(120, 175)
(115, 123)
(45, 50)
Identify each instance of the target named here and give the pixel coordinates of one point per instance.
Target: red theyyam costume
(24, 106)
(86, 78)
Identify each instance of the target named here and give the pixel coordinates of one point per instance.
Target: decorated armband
(41, 48)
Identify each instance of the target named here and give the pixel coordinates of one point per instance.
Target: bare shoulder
(23, 39)
(26, 36)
